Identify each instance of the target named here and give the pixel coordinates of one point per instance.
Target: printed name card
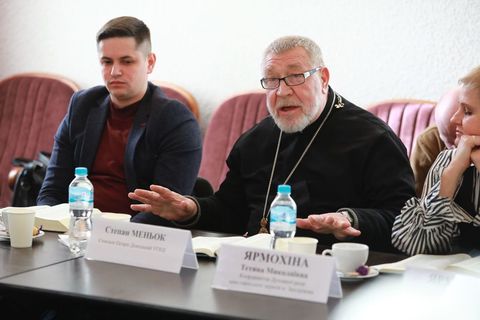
(141, 245)
(277, 273)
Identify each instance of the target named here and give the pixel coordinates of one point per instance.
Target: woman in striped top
(447, 214)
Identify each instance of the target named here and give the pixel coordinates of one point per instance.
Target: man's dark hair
(126, 27)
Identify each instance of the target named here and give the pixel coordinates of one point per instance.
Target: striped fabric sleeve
(428, 225)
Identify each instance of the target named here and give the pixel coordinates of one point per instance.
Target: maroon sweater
(108, 172)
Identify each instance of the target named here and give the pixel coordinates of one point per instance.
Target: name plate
(277, 273)
(141, 245)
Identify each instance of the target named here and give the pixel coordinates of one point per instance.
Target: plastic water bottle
(283, 214)
(80, 200)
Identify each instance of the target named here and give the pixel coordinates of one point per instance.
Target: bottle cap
(81, 171)
(284, 188)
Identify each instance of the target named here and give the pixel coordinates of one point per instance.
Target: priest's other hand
(164, 203)
(332, 223)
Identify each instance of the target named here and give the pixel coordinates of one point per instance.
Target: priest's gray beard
(289, 125)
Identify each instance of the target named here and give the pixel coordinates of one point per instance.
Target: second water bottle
(80, 200)
(283, 214)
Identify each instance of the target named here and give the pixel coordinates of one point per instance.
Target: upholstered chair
(407, 118)
(174, 91)
(32, 105)
(232, 118)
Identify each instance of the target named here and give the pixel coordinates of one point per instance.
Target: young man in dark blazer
(127, 133)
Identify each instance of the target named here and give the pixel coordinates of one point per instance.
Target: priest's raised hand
(164, 203)
(334, 223)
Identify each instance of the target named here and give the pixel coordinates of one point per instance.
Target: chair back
(232, 118)
(407, 118)
(32, 105)
(174, 91)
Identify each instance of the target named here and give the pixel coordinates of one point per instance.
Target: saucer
(372, 272)
(5, 237)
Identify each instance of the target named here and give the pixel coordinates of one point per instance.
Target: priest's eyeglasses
(290, 80)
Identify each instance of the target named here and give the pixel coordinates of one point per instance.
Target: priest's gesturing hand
(333, 222)
(164, 203)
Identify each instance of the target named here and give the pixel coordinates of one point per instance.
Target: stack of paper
(210, 245)
(460, 263)
(55, 218)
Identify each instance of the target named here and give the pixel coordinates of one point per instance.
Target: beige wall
(376, 49)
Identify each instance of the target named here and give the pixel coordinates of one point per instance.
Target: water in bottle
(80, 199)
(283, 214)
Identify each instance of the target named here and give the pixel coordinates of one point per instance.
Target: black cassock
(356, 162)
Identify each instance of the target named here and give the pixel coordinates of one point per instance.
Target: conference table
(48, 277)
(45, 251)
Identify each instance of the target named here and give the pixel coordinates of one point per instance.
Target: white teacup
(297, 245)
(281, 244)
(116, 216)
(20, 226)
(302, 245)
(348, 256)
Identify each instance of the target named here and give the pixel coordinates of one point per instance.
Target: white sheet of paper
(276, 273)
(141, 245)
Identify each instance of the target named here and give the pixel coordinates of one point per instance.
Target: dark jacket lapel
(93, 132)
(138, 129)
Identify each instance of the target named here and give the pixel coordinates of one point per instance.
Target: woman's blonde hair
(471, 80)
